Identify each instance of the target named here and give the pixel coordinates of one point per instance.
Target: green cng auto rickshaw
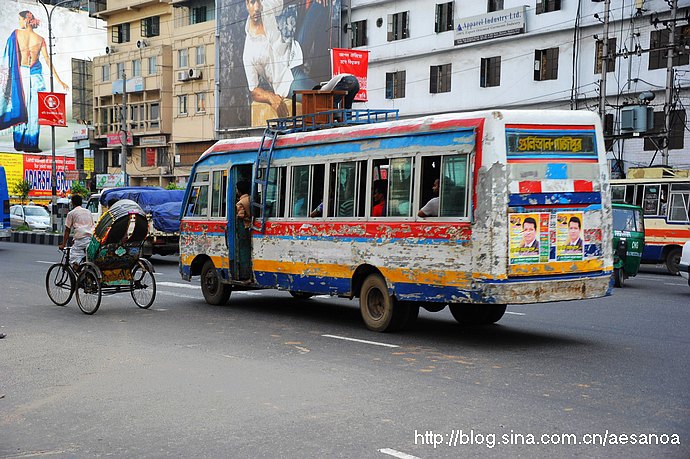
(628, 242)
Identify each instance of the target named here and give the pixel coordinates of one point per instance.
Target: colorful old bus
(472, 210)
(664, 195)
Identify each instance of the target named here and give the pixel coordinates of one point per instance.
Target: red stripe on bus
(530, 186)
(388, 230)
(203, 226)
(583, 186)
(550, 127)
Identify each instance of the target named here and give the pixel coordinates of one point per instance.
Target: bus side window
(454, 186)
(275, 192)
(400, 187)
(344, 196)
(680, 203)
(219, 193)
(307, 189)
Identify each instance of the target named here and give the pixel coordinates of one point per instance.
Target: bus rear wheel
(673, 261)
(380, 311)
(477, 314)
(214, 290)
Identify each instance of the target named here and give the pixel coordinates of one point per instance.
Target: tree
(22, 189)
(81, 190)
(172, 186)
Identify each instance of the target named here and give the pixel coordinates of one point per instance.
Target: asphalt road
(270, 376)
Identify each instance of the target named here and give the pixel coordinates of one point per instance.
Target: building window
(676, 139)
(154, 115)
(444, 17)
(198, 14)
(120, 69)
(115, 158)
(106, 72)
(182, 104)
(658, 42)
(495, 5)
(398, 26)
(547, 6)
(148, 157)
(136, 67)
(439, 78)
(546, 64)
(201, 102)
(150, 27)
(201, 55)
(395, 85)
(183, 58)
(120, 33)
(162, 157)
(610, 61)
(153, 65)
(359, 33)
(490, 72)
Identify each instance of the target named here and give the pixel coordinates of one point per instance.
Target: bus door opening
(240, 246)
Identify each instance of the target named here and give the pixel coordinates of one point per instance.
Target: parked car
(684, 266)
(36, 217)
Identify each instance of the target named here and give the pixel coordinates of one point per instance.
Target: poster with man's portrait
(529, 238)
(569, 236)
(268, 49)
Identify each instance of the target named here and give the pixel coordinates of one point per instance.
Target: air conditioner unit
(142, 44)
(194, 74)
(162, 170)
(182, 75)
(109, 50)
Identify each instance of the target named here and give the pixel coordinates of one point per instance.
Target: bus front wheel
(673, 261)
(477, 314)
(381, 312)
(214, 290)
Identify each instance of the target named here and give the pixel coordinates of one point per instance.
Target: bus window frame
(223, 210)
(685, 195)
(199, 183)
(469, 176)
(370, 185)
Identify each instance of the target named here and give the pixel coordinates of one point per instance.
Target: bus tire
(618, 277)
(673, 261)
(477, 314)
(214, 290)
(380, 311)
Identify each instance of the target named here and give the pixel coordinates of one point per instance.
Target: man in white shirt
(431, 208)
(79, 223)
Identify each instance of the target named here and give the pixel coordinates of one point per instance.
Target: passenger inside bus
(431, 208)
(242, 229)
(379, 208)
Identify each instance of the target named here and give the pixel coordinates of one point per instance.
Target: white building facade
(430, 57)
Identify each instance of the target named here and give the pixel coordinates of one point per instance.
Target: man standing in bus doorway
(529, 235)
(574, 239)
(242, 229)
(431, 208)
(80, 221)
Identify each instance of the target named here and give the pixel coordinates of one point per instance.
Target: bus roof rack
(330, 119)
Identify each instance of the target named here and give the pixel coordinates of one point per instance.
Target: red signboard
(115, 139)
(37, 171)
(150, 156)
(51, 109)
(355, 63)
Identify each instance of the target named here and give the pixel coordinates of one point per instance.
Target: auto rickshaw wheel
(618, 277)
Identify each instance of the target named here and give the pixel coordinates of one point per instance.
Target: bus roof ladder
(263, 164)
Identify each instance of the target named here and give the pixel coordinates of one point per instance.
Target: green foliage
(172, 186)
(81, 190)
(23, 227)
(22, 189)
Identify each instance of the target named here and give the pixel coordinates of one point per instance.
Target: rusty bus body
(500, 174)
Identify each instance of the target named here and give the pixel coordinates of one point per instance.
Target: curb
(36, 238)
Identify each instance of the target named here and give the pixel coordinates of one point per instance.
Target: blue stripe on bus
(557, 171)
(537, 199)
(652, 253)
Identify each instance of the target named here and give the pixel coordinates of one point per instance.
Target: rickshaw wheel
(60, 284)
(143, 285)
(618, 277)
(88, 290)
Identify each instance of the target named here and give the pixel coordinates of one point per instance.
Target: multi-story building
(542, 54)
(164, 50)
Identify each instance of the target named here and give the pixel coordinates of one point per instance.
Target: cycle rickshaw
(113, 263)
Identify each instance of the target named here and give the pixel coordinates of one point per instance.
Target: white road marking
(178, 295)
(515, 313)
(360, 341)
(46, 262)
(246, 292)
(394, 453)
(672, 283)
(177, 284)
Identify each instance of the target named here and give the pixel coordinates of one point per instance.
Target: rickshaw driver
(80, 221)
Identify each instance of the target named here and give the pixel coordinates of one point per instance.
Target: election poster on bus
(529, 238)
(569, 242)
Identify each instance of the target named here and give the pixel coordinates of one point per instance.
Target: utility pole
(123, 131)
(604, 64)
(669, 81)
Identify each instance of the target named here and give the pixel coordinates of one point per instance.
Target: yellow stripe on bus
(557, 267)
(218, 261)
